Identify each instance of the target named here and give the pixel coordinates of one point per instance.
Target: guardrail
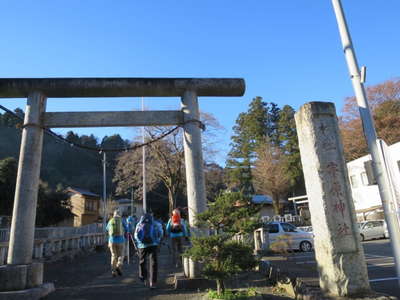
(51, 241)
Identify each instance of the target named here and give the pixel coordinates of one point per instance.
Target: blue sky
(288, 51)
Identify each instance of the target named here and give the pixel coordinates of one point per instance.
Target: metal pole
(104, 190)
(144, 167)
(132, 203)
(370, 135)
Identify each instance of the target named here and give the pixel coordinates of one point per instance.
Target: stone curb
(257, 297)
(183, 283)
(296, 288)
(29, 294)
(200, 284)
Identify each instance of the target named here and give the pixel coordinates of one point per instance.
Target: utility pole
(385, 191)
(144, 167)
(104, 189)
(132, 203)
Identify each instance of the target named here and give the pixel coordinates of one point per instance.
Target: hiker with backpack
(116, 229)
(148, 236)
(176, 231)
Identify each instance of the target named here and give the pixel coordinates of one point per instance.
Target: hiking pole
(134, 245)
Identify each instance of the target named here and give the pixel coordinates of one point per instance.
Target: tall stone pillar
(194, 165)
(20, 273)
(339, 254)
(26, 190)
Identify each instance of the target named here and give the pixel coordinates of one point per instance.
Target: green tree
(53, 206)
(114, 141)
(10, 135)
(289, 146)
(8, 177)
(231, 214)
(251, 129)
(215, 181)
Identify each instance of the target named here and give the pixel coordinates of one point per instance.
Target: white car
(372, 230)
(386, 232)
(295, 238)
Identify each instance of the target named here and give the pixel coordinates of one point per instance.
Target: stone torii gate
(20, 273)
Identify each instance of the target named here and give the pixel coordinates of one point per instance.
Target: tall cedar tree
(232, 213)
(112, 142)
(289, 146)
(384, 102)
(251, 129)
(215, 180)
(8, 178)
(53, 205)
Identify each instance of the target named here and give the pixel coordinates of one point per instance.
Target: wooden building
(85, 206)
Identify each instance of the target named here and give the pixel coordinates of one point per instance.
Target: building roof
(261, 199)
(82, 192)
(122, 201)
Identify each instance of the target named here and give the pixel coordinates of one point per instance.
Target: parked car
(373, 230)
(295, 238)
(386, 231)
(306, 228)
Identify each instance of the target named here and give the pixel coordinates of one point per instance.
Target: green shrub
(222, 257)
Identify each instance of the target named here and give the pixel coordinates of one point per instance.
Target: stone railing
(286, 218)
(259, 239)
(52, 241)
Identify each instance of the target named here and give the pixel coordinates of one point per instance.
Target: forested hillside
(66, 165)
(62, 163)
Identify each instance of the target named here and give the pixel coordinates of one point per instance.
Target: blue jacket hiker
(176, 230)
(131, 220)
(148, 234)
(177, 233)
(116, 229)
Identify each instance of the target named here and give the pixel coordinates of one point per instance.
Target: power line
(98, 149)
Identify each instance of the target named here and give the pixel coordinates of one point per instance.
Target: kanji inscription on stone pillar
(338, 251)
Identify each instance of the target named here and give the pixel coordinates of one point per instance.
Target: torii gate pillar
(193, 165)
(20, 271)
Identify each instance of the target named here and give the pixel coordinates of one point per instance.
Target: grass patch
(233, 294)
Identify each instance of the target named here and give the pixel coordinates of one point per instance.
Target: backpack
(176, 226)
(131, 223)
(116, 228)
(145, 231)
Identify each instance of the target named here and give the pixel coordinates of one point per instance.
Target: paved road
(380, 264)
(88, 277)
